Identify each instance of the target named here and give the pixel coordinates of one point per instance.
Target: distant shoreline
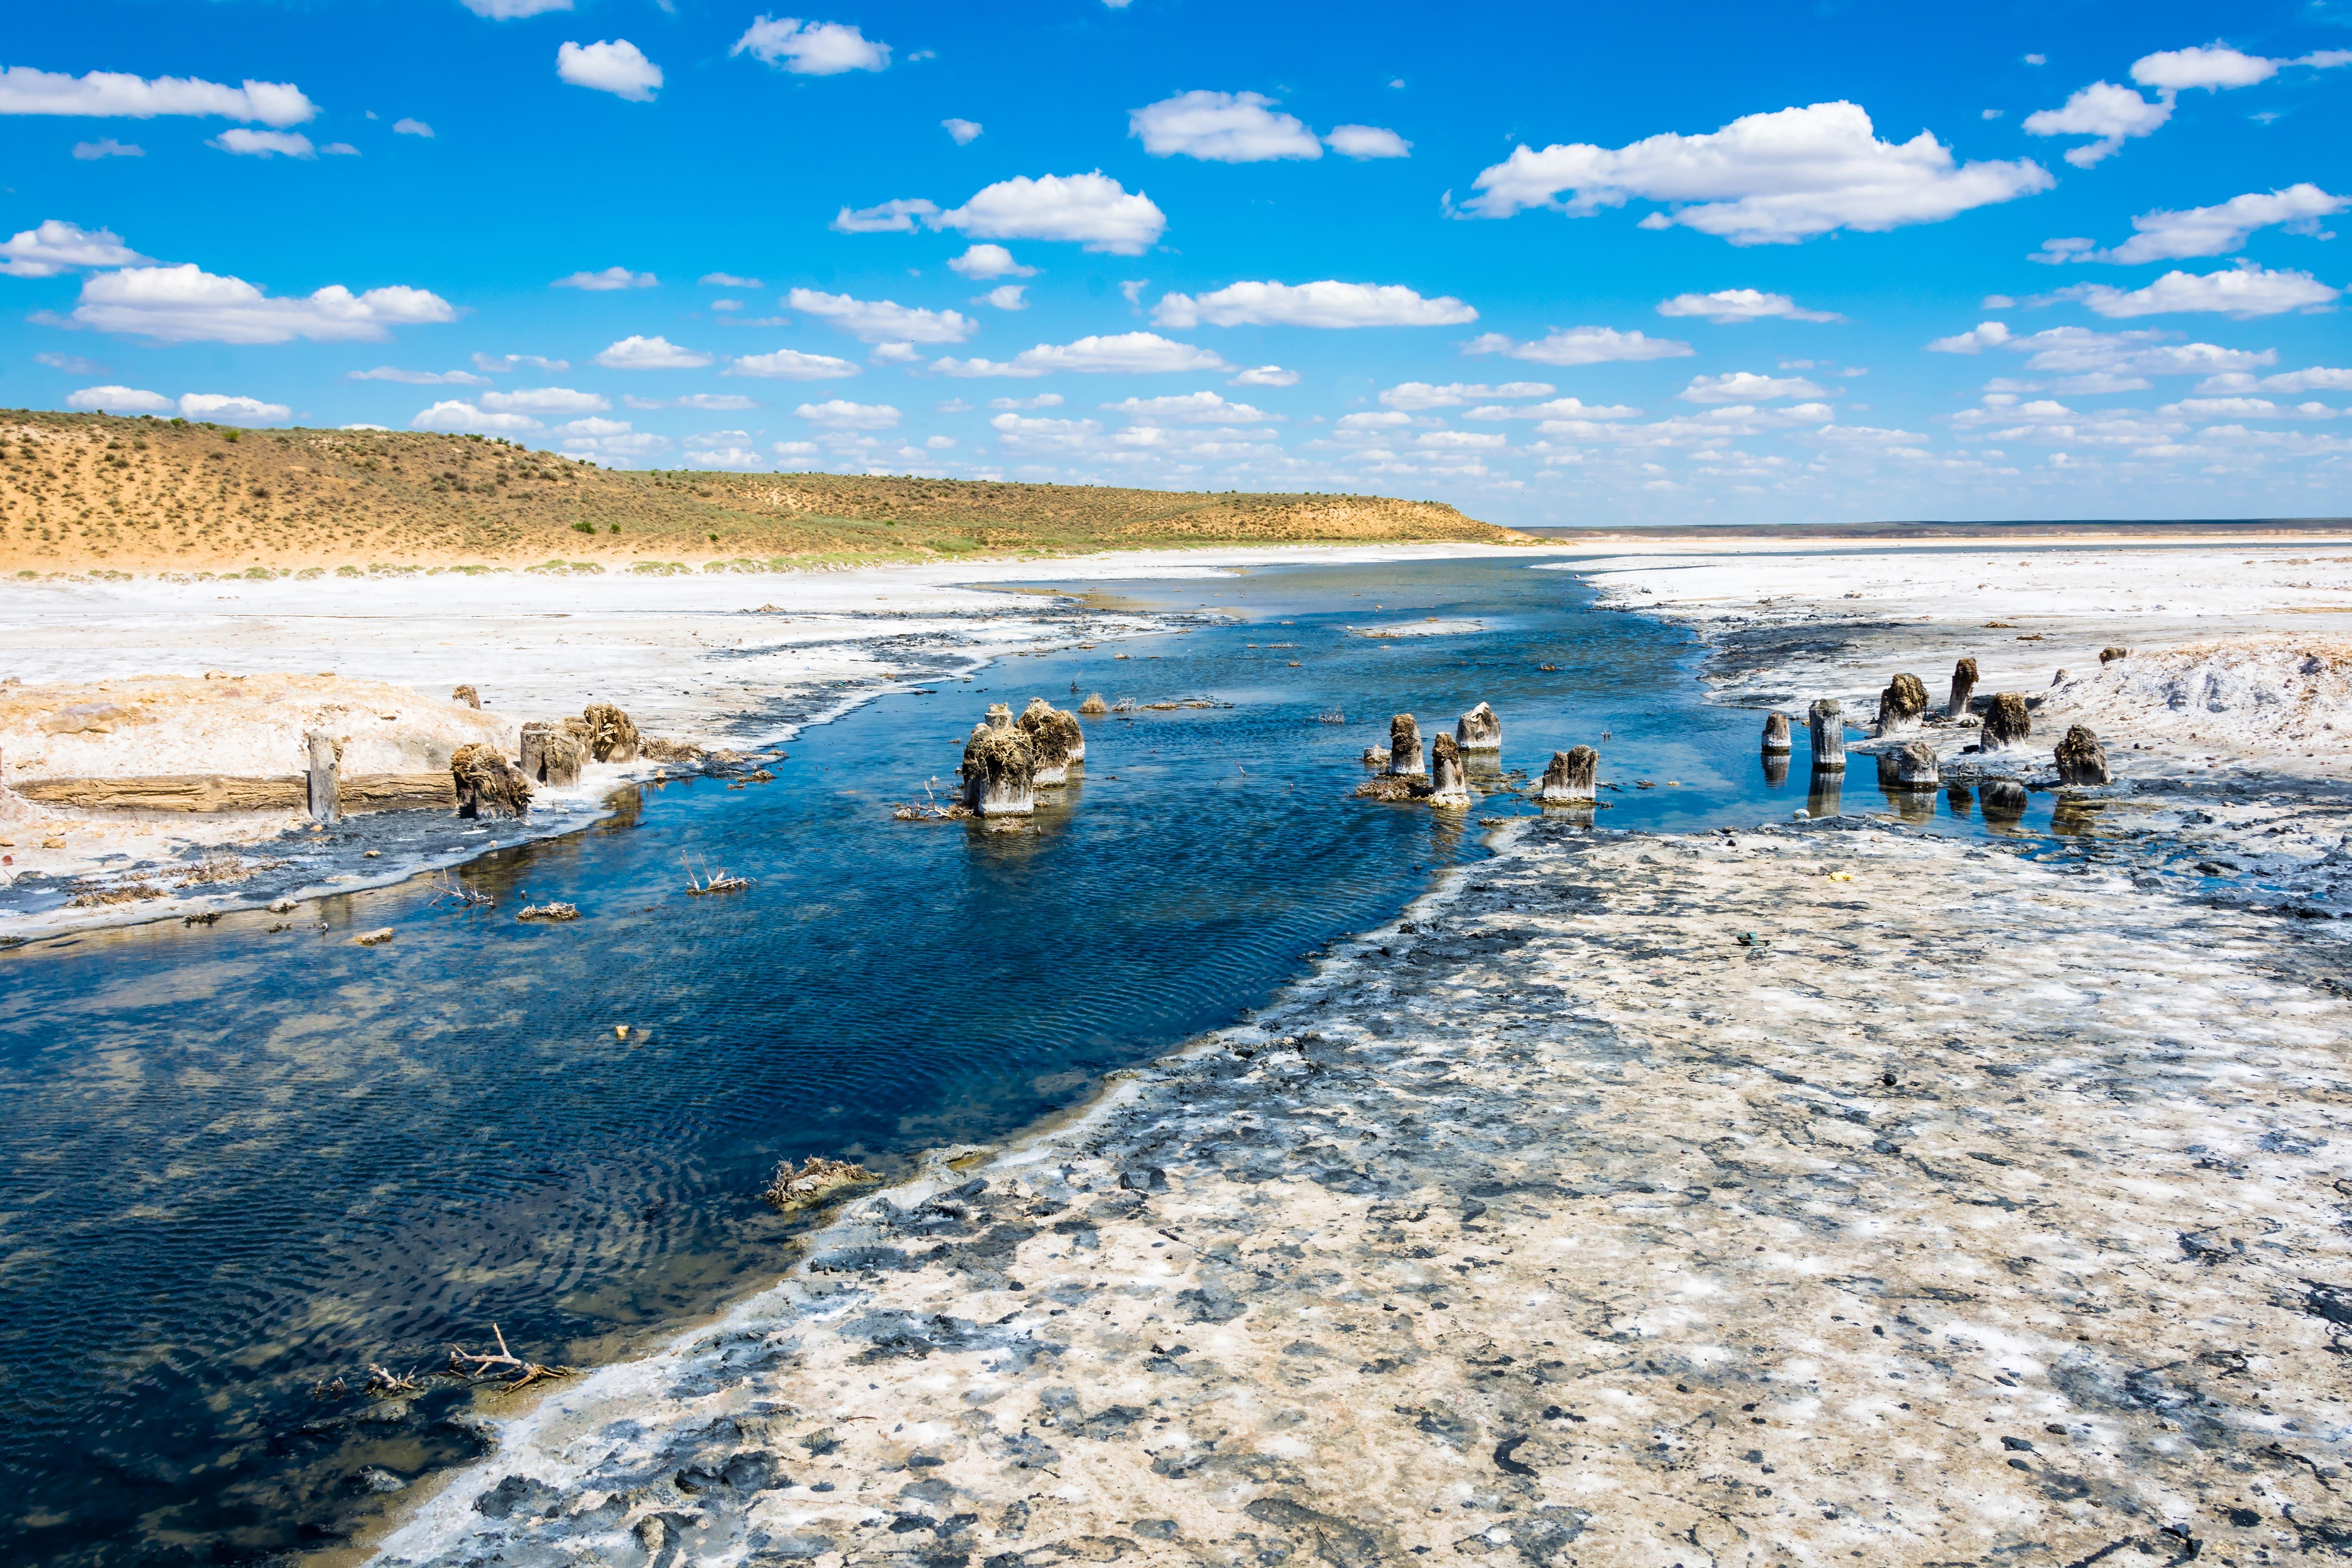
(2108, 530)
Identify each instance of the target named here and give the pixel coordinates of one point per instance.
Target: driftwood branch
(484, 1365)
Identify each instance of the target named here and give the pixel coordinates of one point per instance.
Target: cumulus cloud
(728, 280)
(707, 402)
(1043, 400)
(1763, 179)
(119, 95)
(812, 49)
(227, 410)
(267, 143)
(883, 321)
(1728, 306)
(54, 246)
(965, 131)
(500, 364)
(1189, 408)
(2245, 409)
(612, 277)
(1221, 127)
(418, 378)
(790, 364)
(2212, 67)
(1746, 386)
(1362, 141)
(1976, 340)
(459, 417)
(411, 127)
(1460, 440)
(889, 217)
(1135, 354)
(1094, 210)
(2165, 236)
(1579, 346)
(1417, 395)
(511, 10)
(1557, 409)
(2318, 378)
(1264, 375)
(980, 262)
(735, 457)
(839, 414)
(2243, 292)
(619, 67)
(187, 304)
(1006, 297)
(107, 147)
(1017, 434)
(119, 400)
(2103, 109)
(1328, 304)
(72, 364)
(650, 353)
(545, 400)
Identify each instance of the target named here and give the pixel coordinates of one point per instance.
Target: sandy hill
(83, 493)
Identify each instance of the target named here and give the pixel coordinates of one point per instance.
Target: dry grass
(91, 492)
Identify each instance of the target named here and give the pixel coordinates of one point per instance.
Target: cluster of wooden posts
(1008, 759)
(1443, 780)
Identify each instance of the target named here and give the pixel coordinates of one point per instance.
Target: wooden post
(2007, 722)
(1915, 766)
(1829, 735)
(1572, 778)
(2081, 759)
(323, 781)
(1446, 784)
(1901, 704)
(1478, 731)
(1404, 748)
(1775, 731)
(1964, 685)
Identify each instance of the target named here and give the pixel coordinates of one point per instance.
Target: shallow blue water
(239, 1163)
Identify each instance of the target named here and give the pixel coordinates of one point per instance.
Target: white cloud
(187, 304)
(790, 364)
(1092, 209)
(1266, 376)
(2245, 408)
(1043, 400)
(728, 280)
(890, 218)
(1006, 297)
(2104, 110)
(264, 143)
(2081, 353)
(1189, 408)
(1417, 395)
(2243, 292)
(839, 414)
(108, 147)
(1726, 306)
(965, 131)
(980, 262)
(651, 353)
(459, 417)
(500, 364)
(619, 67)
(735, 457)
(510, 10)
(119, 95)
(2212, 67)
(72, 364)
(1557, 409)
(895, 354)
(227, 410)
(1017, 434)
(1221, 127)
(1328, 304)
(1136, 353)
(545, 400)
(1460, 440)
(54, 246)
(1746, 386)
(707, 402)
(411, 127)
(418, 378)
(2206, 231)
(2319, 378)
(119, 400)
(1579, 346)
(1763, 179)
(610, 278)
(1362, 141)
(1976, 340)
(339, 149)
(602, 428)
(1369, 420)
(883, 321)
(812, 49)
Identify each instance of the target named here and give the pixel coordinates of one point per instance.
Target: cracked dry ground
(1978, 1213)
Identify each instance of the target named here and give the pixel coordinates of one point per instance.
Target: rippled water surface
(239, 1163)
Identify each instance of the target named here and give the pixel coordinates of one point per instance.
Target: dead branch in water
(445, 886)
(929, 809)
(382, 1381)
(700, 878)
(817, 1179)
(526, 1372)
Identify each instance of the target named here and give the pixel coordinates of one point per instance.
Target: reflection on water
(1776, 769)
(240, 1164)
(1829, 783)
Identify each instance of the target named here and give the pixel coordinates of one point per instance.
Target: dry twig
(526, 1372)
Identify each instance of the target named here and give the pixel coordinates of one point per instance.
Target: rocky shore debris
(1914, 767)
(466, 695)
(507, 1369)
(1000, 768)
(1478, 731)
(552, 755)
(1775, 731)
(1572, 777)
(2081, 759)
(1964, 687)
(549, 912)
(1404, 748)
(817, 1179)
(375, 938)
(321, 779)
(1094, 705)
(1901, 705)
(2111, 653)
(611, 738)
(488, 784)
(2007, 722)
(1447, 786)
(1055, 740)
(1828, 722)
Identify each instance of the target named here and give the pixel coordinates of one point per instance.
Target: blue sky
(1595, 266)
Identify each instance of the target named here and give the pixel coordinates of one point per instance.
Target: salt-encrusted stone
(1964, 685)
(325, 765)
(1572, 778)
(1901, 704)
(1000, 770)
(1446, 784)
(1376, 756)
(1478, 731)
(1829, 734)
(1405, 747)
(2081, 759)
(1915, 766)
(1094, 705)
(1055, 741)
(2007, 722)
(1775, 731)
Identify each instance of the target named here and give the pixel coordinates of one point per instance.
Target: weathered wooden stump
(466, 695)
(488, 784)
(1478, 731)
(2109, 654)
(2007, 722)
(1775, 731)
(323, 782)
(1404, 748)
(1914, 767)
(611, 737)
(1572, 778)
(1447, 786)
(2004, 801)
(1000, 716)
(2081, 759)
(1055, 740)
(1901, 705)
(1000, 770)
(1829, 734)
(1094, 705)
(552, 756)
(1964, 685)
